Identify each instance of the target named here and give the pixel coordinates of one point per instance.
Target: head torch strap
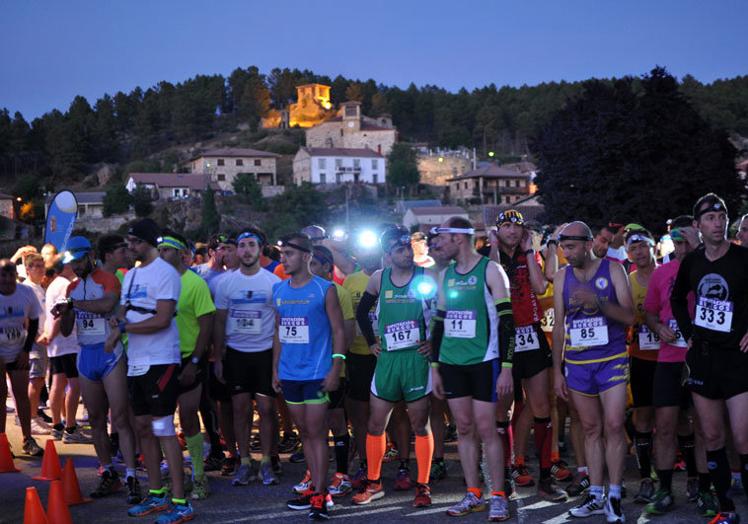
(455, 230)
(581, 238)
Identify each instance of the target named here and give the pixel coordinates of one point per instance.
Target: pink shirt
(658, 303)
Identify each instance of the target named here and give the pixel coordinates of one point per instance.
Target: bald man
(590, 361)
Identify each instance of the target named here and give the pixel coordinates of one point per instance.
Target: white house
(225, 164)
(333, 165)
(427, 217)
(170, 186)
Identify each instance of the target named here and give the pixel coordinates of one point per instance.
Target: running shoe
(391, 455)
(662, 502)
(403, 481)
(725, 518)
(289, 442)
(200, 488)
(244, 475)
(30, 447)
(469, 504)
(150, 504)
(680, 464)
(423, 496)
(498, 510)
(358, 480)
(229, 467)
(547, 490)
(340, 485)
(373, 491)
(133, 491)
(254, 442)
(613, 511)
(57, 433)
(560, 471)
(302, 502)
(736, 485)
(266, 474)
(646, 491)
(578, 486)
(707, 504)
(76, 437)
(44, 417)
(39, 427)
(317, 507)
(297, 457)
(176, 514)
(590, 506)
(108, 483)
(305, 484)
(438, 471)
(522, 477)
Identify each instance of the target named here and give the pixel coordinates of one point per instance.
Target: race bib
(588, 332)
(548, 320)
(460, 324)
(294, 330)
(648, 340)
(91, 324)
(525, 339)
(246, 322)
(401, 335)
(11, 334)
(134, 370)
(714, 314)
(679, 341)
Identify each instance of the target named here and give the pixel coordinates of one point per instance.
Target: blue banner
(60, 220)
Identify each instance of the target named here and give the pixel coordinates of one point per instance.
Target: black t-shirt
(721, 289)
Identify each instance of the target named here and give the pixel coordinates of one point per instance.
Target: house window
(239, 162)
(82, 210)
(338, 163)
(350, 110)
(356, 163)
(507, 199)
(258, 162)
(375, 163)
(323, 178)
(375, 178)
(466, 185)
(341, 132)
(220, 161)
(322, 163)
(338, 178)
(221, 177)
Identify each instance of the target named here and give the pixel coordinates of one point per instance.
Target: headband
(639, 238)
(403, 240)
(715, 207)
(582, 238)
(676, 235)
(171, 242)
(248, 234)
(282, 243)
(455, 230)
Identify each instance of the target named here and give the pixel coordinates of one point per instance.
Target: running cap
(76, 249)
(511, 216)
(146, 230)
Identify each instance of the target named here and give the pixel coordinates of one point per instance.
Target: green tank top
(471, 323)
(400, 314)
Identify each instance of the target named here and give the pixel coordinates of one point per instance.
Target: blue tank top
(304, 330)
(590, 335)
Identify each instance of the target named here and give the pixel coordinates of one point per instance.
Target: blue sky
(52, 51)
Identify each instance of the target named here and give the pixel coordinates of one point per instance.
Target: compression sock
(719, 470)
(424, 452)
(687, 448)
(195, 448)
(744, 471)
(543, 440)
(376, 446)
(643, 443)
(342, 445)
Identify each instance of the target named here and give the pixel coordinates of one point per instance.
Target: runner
(512, 247)
(243, 341)
(149, 301)
(305, 366)
(92, 299)
(19, 325)
(644, 346)
(717, 359)
(472, 340)
(421, 250)
(195, 312)
(592, 297)
(112, 251)
(670, 398)
(742, 234)
(400, 293)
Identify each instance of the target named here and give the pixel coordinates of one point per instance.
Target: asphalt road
(256, 503)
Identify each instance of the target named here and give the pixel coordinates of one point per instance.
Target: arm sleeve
(31, 334)
(506, 332)
(362, 317)
(679, 299)
(437, 334)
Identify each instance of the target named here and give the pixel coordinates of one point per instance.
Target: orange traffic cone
(51, 469)
(70, 485)
(57, 509)
(6, 457)
(33, 512)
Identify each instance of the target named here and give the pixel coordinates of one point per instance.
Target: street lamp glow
(491, 154)
(338, 234)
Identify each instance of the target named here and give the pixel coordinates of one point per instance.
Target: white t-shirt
(60, 345)
(143, 287)
(14, 310)
(41, 296)
(248, 300)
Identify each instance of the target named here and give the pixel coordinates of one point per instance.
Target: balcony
(343, 170)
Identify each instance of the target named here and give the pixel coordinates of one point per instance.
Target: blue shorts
(94, 363)
(304, 392)
(590, 378)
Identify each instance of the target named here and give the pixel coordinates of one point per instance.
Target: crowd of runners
(295, 346)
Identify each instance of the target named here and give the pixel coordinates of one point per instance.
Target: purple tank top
(590, 335)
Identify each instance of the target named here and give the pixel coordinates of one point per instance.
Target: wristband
(338, 355)
(121, 326)
(506, 365)
(434, 365)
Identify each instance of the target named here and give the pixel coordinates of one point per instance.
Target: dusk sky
(52, 51)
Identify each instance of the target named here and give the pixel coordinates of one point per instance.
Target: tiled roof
(197, 182)
(441, 210)
(235, 152)
(490, 171)
(364, 152)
